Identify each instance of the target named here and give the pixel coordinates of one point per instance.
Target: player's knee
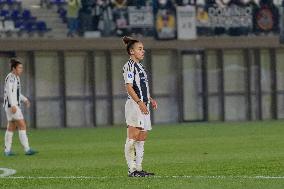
(22, 127)
(142, 136)
(11, 129)
(22, 124)
(135, 136)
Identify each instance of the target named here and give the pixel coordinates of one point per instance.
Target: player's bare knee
(11, 129)
(11, 126)
(22, 125)
(143, 135)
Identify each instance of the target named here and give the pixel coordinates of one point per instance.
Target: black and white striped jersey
(12, 91)
(135, 74)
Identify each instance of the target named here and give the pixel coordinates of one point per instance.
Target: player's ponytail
(14, 63)
(129, 42)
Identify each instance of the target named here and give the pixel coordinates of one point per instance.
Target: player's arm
(25, 100)
(131, 92)
(11, 94)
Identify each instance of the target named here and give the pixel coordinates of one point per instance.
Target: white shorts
(134, 117)
(16, 116)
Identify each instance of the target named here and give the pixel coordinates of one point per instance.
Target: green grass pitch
(193, 155)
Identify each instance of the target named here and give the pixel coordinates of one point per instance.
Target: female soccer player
(12, 101)
(137, 112)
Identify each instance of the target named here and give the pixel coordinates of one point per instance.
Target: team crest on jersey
(130, 75)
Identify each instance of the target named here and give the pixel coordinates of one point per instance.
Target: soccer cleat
(146, 173)
(10, 153)
(31, 152)
(136, 174)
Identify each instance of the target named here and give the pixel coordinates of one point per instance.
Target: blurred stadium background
(207, 60)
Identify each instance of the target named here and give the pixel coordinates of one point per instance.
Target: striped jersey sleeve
(10, 91)
(128, 72)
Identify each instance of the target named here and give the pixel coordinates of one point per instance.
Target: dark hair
(129, 42)
(14, 63)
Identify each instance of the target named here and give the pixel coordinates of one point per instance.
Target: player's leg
(23, 137)
(139, 149)
(133, 121)
(11, 127)
(139, 145)
(129, 150)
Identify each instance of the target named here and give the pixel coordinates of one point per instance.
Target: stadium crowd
(111, 17)
(147, 17)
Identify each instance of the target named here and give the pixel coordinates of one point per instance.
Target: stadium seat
(19, 24)
(5, 14)
(10, 28)
(41, 28)
(26, 15)
(28, 28)
(9, 25)
(15, 15)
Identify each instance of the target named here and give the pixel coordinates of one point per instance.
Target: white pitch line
(155, 177)
(7, 172)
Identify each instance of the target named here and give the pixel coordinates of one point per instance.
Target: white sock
(129, 152)
(8, 140)
(139, 147)
(24, 139)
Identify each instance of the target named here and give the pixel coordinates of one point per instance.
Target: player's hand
(154, 104)
(27, 103)
(13, 109)
(143, 107)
